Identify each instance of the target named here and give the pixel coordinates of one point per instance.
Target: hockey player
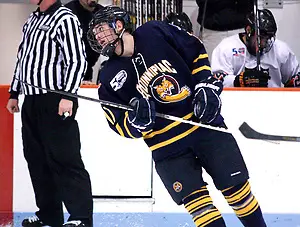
(235, 59)
(162, 68)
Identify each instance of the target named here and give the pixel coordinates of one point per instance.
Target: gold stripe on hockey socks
(247, 208)
(202, 189)
(200, 205)
(197, 199)
(240, 194)
(244, 204)
(207, 217)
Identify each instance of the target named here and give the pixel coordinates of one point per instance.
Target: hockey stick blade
(250, 133)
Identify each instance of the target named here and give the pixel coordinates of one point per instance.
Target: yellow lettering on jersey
(163, 68)
(169, 66)
(150, 73)
(154, 69)
(156, 66)
(143, 91)
(145, 79)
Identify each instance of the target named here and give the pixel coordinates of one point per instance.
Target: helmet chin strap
(122, 42)
(40, 2)
(109, 49)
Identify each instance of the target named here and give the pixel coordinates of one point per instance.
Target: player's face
(266, 43)
(90, 3)
(104, 34)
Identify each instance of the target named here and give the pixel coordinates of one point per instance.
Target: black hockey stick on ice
(125, 107)
(250, 133)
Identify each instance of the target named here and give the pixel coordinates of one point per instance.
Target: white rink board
(115, 163)
(120, 166)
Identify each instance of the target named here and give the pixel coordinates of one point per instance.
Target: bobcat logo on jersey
(166, 89)
(177, 186)
(152, 72)
(117, 82)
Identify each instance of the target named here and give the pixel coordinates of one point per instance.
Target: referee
(52, 55)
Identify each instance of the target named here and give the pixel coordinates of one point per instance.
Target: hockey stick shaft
(125, 107)
(203, 20)
(257, 33)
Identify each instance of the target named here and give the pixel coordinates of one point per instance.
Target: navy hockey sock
(244, 205)
(200, 205)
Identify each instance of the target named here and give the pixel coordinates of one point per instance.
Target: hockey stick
(202, 21)
(257, 33)
(125, 107)
(250, 133)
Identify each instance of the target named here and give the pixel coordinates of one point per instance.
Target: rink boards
(126, 188)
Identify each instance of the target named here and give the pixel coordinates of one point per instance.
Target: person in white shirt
(234, 60)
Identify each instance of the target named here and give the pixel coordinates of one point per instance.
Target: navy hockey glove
(207, 103)
(294, 81)
(252, 78)
(143, 116)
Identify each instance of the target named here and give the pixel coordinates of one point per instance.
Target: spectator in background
(84, 9)
(234, 59)
(221, 18)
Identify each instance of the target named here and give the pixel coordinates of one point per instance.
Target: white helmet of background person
(109, 15)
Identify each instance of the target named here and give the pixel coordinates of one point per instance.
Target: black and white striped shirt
(51, 54)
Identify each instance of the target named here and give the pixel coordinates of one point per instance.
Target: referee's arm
(73, 50)
(15, 86)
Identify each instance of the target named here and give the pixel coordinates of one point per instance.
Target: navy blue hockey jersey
(165, 67)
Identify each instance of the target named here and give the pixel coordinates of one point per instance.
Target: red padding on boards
(6, 157)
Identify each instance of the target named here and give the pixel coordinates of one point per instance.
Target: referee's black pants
(52, 151)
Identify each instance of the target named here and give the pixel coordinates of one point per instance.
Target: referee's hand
(64, 106)
(13, 106)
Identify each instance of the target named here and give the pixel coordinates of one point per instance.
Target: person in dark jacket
(221, 18)
(84, 9)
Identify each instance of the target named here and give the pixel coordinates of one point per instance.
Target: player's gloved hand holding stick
(143, 116)
(207, 103)
(252, 78)
(294, 81)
